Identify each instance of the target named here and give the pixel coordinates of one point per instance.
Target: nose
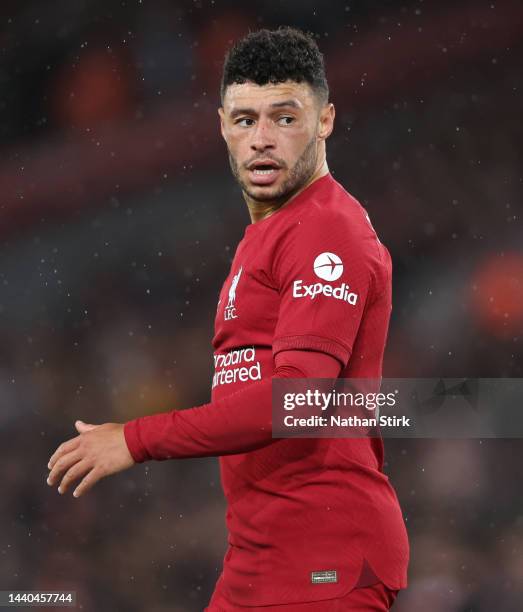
(263, 136)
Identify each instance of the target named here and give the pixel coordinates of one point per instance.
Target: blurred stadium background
(119, 219)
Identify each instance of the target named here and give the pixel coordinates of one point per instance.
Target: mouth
(263, 171)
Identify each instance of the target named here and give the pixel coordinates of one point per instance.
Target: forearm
(238, 423)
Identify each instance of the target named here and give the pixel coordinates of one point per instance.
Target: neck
(262, 210)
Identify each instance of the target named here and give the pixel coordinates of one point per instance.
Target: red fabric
(375, 598)
(312, 276)
(224, 426)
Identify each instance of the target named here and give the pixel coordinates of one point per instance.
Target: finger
(81, 426)
(62, 465)
(65, 447)
(88, 481)
(74, 473)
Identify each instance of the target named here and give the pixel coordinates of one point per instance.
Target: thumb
(81, 427)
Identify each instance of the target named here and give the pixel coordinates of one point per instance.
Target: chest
(248, 304)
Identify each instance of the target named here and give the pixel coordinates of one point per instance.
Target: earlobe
(327, 122)
(325, 131)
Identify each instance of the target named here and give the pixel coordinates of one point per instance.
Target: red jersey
(308, 518)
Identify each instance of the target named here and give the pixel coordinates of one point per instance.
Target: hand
(99, 450)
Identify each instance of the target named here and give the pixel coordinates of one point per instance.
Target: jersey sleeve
(324, 271)
(238, 423)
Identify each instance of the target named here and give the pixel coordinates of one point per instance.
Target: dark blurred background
(119, 220)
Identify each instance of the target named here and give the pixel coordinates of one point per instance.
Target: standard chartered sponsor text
(247, 367)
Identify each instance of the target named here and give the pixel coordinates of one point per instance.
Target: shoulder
(330, 223)
(329, 215)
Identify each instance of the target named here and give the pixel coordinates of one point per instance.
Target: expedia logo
(329, 267)
(299, 290)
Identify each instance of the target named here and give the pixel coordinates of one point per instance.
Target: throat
(261, 210)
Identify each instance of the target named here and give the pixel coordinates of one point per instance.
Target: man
(314, 524)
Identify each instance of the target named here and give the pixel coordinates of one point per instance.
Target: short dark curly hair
(275, 56)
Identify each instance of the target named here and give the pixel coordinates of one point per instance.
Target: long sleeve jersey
(308, 518)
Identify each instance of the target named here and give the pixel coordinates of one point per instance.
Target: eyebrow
(291, 103)
(250, 111)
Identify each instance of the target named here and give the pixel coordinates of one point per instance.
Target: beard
(297, 177)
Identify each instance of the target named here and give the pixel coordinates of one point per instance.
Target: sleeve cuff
(131, 432)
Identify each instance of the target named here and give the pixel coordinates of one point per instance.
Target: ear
(221, 113)
(326, 121)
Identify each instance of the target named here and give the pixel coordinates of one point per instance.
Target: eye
(245, 122)
(285, 120)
